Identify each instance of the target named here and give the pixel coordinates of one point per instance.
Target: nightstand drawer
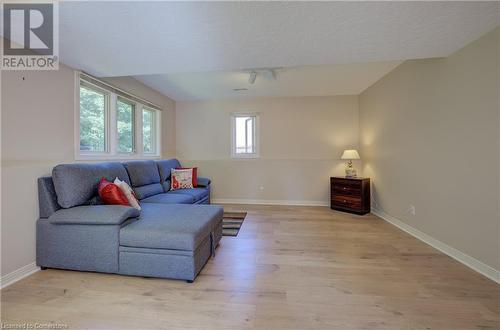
(346, 202)
(347, 183)
(343, 189)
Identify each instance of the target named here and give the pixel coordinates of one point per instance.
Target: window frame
(111, 125)
(256, 135)
(125, 100)
(107, 104)
(154, 129)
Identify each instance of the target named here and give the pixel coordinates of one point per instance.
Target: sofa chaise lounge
(173, 235)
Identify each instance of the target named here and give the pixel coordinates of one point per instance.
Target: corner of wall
(401, 108)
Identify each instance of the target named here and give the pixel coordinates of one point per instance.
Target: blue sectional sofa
(173, 235)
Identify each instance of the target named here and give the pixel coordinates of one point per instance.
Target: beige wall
(37, 114)
(301, 140)
(498, 129)
(429, 138)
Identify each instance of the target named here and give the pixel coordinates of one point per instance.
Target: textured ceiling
(321, 80)
(142, 38)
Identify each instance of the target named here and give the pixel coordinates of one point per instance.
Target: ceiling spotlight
(252, 77)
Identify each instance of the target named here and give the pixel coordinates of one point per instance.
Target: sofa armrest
(94, 215)
(203, 182)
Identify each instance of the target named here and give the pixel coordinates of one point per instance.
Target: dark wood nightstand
(350, 194)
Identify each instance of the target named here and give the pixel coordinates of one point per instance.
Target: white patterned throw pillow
(129, 193)
(181, 179)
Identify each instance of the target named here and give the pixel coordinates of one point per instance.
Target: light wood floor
(289, 268)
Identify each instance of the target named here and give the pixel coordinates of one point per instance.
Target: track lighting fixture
(268, 73)
(253, 76)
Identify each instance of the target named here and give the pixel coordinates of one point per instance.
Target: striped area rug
(231, 223)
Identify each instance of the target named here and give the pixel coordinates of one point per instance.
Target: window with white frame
(114, 124)
(245, 135)
(148, 130)
(94, 109)
(125, 125)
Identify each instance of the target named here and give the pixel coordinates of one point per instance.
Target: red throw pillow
(195, 174)
(111, 194)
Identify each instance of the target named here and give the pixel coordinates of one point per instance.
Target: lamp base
(350, 172)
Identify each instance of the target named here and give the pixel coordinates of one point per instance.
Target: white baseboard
(465, 259)
(267, 202)
(18, 274)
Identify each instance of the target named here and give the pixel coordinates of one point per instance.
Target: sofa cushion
(76, 184)
(94, 215)
(47, 198)
(142, 172)
(148, 190)
(166, 185)
(145, 178)
(165, 166)
(169, 198)
(197, 193)
(175, 227)
(203, 182)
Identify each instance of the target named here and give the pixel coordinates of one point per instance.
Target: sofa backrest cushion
(148, 190)
(145, 178)
(142, 172)
(166, 185)
(47, 197)
(164, 166)
(76, 184)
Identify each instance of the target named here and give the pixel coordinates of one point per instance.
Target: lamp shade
(350, 154)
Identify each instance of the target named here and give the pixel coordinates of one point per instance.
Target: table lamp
(349, 155)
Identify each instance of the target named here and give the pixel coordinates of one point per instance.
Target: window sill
(253, 156)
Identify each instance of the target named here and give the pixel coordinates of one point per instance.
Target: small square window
(244, 135)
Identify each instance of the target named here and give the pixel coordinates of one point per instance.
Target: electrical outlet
(261, 188)
(412, 210)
